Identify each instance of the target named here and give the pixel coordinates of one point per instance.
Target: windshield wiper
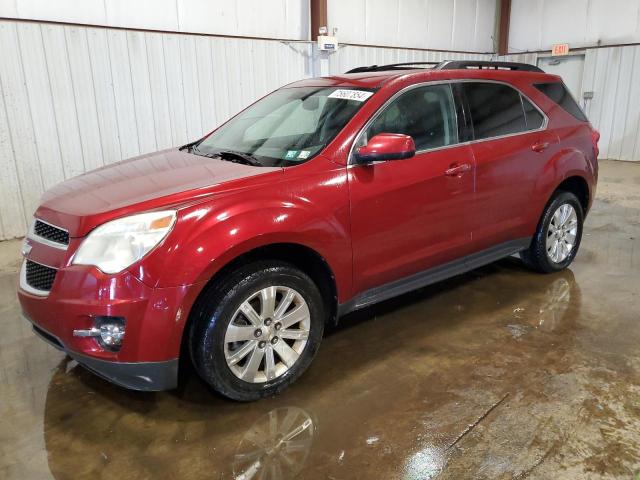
(229, 155)
(194, 150)
(239, 157)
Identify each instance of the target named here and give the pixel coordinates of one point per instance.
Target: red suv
(325, 196)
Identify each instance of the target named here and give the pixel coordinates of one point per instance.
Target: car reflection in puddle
(94, 429)
(558, 299)
(276, 447)
(546, 312)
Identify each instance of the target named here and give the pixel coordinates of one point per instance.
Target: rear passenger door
(510, 147)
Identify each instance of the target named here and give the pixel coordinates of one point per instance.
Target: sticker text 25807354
(357, 95)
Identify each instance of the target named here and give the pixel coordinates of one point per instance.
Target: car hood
(155, 180)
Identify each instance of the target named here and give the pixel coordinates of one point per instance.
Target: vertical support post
(319, 60)
(318, 17)
(503, 28)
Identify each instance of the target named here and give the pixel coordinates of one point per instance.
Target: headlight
(114, 246)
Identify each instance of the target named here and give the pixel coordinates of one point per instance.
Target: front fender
(210, 235)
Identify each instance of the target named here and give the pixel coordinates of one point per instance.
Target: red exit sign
(560, 49)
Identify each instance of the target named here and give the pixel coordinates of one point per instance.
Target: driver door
(410, 215)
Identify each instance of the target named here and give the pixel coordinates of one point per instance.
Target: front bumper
(143, 376)
(155, 319)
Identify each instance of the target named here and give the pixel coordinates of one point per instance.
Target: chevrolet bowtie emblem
(26, 248)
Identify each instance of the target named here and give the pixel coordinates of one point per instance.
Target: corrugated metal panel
(73, 98)
(466, 25)
(538, 24)
(254, 18)
(610, 74)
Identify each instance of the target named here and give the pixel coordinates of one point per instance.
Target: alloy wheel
(267, 334)
(562, 233)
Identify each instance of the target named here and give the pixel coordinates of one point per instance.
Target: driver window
(426, 113)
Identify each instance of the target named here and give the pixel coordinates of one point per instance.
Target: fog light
(112, 334)
(112, 331)
(108, 331)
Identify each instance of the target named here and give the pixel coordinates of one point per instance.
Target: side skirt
(433, 275)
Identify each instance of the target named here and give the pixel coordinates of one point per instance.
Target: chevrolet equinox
(325, 196)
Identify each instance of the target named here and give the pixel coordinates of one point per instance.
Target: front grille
(39, 276)
(51, 233)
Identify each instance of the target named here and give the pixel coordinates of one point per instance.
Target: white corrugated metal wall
(612, 74)
(255, 18)
(76, 98)
(463, 25)
(538, 24)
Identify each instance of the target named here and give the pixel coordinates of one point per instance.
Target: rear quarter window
(557, 92)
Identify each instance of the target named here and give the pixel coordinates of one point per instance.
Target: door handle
(457, 170)
(539, 147)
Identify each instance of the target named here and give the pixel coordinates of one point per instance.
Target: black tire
(214, 311)
(536, 257)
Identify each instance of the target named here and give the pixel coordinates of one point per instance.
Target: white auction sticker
(357, 95)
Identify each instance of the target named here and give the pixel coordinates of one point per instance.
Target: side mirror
(386, 146)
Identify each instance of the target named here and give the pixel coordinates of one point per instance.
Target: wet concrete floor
(498, 374)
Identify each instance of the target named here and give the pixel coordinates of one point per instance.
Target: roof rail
(483, 64)
(452, 65)
(392, 66)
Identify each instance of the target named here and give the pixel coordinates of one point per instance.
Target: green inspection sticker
(291, 154)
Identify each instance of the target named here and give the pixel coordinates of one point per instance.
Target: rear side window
(557, 92)
(496, 109)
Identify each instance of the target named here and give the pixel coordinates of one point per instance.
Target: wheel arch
(568, 170)
(574, 183)
(301, 256)
(577, 185)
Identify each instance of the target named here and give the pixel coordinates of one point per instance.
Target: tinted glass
(533, 117)
(287, 127)
(557, 92)
(427, 114)
(496, 109)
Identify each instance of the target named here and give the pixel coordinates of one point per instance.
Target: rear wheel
(557, 238)
(257, 331)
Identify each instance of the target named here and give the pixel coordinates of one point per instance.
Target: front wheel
(557, 238)
(257, 331)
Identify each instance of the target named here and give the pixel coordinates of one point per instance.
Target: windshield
(285, 128)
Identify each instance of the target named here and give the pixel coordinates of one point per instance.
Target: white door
(570, 68)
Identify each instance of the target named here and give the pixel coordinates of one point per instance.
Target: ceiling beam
(503, 26)
(318, 17)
